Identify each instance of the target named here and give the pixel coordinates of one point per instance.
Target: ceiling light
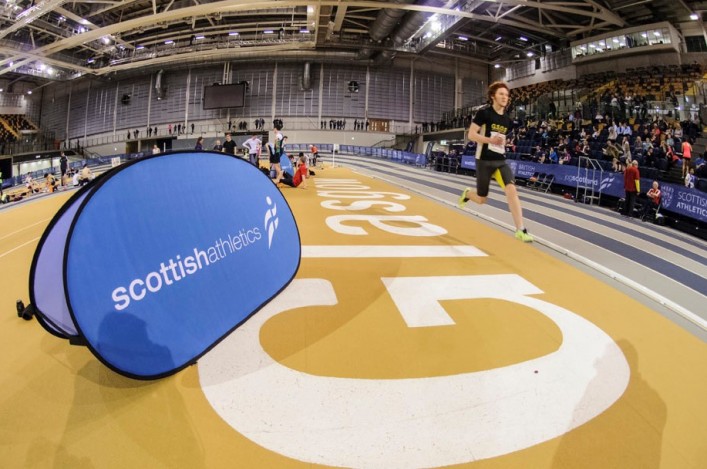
(304, 31)
(233, 34)
(106, 40)
(644, 35)
(463, 38)
(523, 38)
(657, 33)
(199, 37)
(50, 71)
(694, 17)
(82, 29)
(428, 35)
(530, 54)
(269, 31)
(436, 26)
(497, 66)
(169, 41)
(499, 38)
(615, 41)
(29, 91)
(42, 67)
(141, 47)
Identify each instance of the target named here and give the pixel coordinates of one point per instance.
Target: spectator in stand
(155, 150)
(632, 186)
(690, 179)
(686, 155)
(612, 152)
(613, 132)
(652, 201)
(554, 159)
(199, 144)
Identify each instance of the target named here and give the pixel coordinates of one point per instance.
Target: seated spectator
(155, 150)
(652, 201)
(690, 179)
(612, 153)
(49, 183)
(86, 175)
(31, 184)
(553, 156)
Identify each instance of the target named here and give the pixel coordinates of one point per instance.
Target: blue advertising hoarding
(674, 198)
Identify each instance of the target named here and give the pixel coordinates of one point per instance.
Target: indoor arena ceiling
(61, 40)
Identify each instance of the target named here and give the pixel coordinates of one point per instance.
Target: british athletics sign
(158, 260)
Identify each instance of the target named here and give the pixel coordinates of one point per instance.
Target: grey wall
(95, 106)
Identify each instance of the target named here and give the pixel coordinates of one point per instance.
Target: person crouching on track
(301, 174)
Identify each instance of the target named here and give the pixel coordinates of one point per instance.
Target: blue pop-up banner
(158, 260)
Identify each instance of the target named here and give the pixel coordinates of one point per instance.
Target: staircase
(700, 145)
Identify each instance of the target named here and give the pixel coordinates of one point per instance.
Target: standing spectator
(229, 146)
(192, 128)
(315, 153)
(63, 165)
(278, 150)
(169, 129)
(252, 145)
(632, 186)
(199, 144)
(686, 156)
(155, 149)
(218, 146)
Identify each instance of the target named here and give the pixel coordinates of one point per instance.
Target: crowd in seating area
(657, 145)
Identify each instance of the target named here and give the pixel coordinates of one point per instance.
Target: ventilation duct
(159, 85)
(384, 24)
(307, 77)
(409, 26)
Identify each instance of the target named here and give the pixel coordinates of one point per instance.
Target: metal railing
(586, 179)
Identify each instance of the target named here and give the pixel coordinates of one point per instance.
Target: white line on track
(24, 228)
(20, 246)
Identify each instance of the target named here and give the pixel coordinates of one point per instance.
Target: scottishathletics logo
(177, 269)
(271, 220)
(666, 194)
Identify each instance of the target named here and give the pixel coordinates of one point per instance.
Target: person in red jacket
(632, 186)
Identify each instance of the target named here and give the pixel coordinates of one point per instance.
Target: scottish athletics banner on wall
(158, 260)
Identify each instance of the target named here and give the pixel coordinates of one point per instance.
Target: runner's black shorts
(484, 173)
